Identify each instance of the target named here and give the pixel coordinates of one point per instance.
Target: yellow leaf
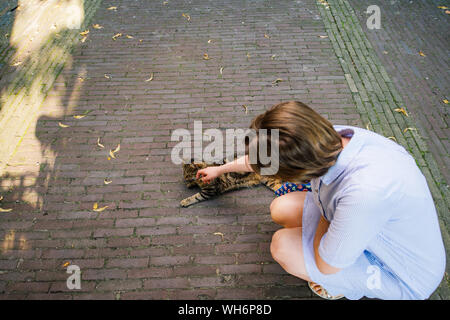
(205, 56)
(5, 210)
(165, 2)
(221, 70)
(1, 198)
(323, 37)
(106, 181)
(81, 79)
(111, 154)
(83, 40)
(273, 56)
(422, 54)
(401, 110)
(266, 36)
(442, 7)
(117, 149)
(99, 144)
(219, 234)
(150, 79)
(81, 116)
(66, 264)
(188, 17)
(97, 209)
(109, 158)
(84, 33)
(129, 37)
(245, 108)
(445, 101)
(62, 125)
(277, 81)
(411, 129)
(107, 76)
(392, 138)
(112, 8)
(116, 36)
(97, 26)
(210, 40)
(248, 55)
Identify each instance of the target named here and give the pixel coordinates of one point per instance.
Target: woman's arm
(238, 165)
(323, 267)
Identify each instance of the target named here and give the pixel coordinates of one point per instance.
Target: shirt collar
(347, 154)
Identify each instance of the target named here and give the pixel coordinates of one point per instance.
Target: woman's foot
(321, 292)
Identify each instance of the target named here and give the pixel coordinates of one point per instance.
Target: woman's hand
(209, 174)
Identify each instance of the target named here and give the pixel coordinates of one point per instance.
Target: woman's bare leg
(287, 249)
(287, 210)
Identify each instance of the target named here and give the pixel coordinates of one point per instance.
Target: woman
(368, 227)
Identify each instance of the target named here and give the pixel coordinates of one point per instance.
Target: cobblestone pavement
(407, 28)
(143, 245)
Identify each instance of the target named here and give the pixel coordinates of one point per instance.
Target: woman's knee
(276, 246)
(287, 210)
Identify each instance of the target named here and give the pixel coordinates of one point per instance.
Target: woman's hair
(308, 143)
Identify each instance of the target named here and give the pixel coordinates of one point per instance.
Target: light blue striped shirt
(379, 204)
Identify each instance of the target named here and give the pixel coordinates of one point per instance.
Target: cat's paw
(185, 203)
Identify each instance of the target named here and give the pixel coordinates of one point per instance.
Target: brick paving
(144, 246)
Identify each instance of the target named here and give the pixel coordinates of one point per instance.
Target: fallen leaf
(84, 33)
(401, 110)
(112, 152)
(5, 210)
(62, 125)
(16, 63)
(1, 198)
(368, 126)
(117, 149)
(150, 79)
(106, 181)
(107, 76)
(392, 138)
(66, 264)
(422, 54)
(323, 37)
(165, 2)
(97, 209)
(273, 56)
(99, 144)
(221, 70)
(81, 116)
(219, 234)
(188, 17)
(411, 129)
(442, 7)
(210, 40)
(81, 79)
(205, 56)
(277, 81)
(109, 158)
(112, 8)
(140, 40)
(266, 36)
(129, 37)
(445, 101)
(83, 40)
(245, 108)
(248, 55)
(116, 36)
(97, 26)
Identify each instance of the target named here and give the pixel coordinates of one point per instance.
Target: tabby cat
(224, 183)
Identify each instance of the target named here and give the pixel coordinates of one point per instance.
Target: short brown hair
(308, 143)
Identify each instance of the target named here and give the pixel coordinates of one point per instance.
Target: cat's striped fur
(224, 183)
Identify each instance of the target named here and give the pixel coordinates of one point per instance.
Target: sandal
(321, 292)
